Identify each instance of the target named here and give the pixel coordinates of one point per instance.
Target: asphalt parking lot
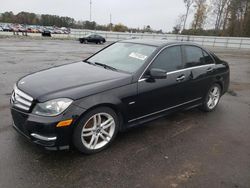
(186, 149)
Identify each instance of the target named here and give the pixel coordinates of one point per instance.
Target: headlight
(52, 108)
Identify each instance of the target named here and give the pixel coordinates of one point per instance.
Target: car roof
(156, 42)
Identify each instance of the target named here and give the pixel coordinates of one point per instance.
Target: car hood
(74, 81)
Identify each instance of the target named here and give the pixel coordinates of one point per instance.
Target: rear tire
(96, 130)
(212, 98)
(81, 41)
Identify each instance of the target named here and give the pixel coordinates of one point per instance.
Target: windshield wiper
(86, 61)
(100, 64)
(105, 66)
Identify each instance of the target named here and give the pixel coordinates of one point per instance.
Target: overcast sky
(159, 14)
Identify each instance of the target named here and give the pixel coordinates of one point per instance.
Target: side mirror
(158, 73)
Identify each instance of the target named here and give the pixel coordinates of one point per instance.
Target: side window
(207, 58)
(169, 59)
(194, 56)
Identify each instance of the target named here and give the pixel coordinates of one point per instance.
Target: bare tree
(219, 7)
(229, 17)
(246, 29)
(200, 15)
(225, 16)
(178, 24)
(188, 4)
(238, 14)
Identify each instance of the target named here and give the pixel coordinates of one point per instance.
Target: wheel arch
(219, 80)
(118, 111)
(220, 84)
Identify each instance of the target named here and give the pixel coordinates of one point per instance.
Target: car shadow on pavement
(136, 136)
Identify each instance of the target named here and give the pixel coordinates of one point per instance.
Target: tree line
(210, 17)
(60, 21)
(223, 17)
(34, 19)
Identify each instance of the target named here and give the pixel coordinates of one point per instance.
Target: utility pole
(90, 10)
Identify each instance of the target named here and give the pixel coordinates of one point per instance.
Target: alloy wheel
(98, 131)
(213, 97)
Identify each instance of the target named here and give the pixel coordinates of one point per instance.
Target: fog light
(64, 123)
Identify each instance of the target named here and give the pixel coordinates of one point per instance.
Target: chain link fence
(226, 42)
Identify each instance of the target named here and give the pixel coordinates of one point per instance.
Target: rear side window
(169, 59)
(194, 56)
(207, 58)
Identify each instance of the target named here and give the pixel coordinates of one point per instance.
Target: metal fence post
(240, 43)
(227, 43)
(202, 43)
(214, 41)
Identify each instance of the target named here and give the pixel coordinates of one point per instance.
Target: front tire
(212, 98)
(96, 130)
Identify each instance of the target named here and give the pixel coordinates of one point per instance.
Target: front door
(159, 95)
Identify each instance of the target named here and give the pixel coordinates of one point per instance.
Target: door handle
(180, 78)
(210, 69)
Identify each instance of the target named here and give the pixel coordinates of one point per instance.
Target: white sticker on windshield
(138, 56)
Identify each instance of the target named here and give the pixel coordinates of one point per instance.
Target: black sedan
(93, 38)
(131, 82)
(46, 33)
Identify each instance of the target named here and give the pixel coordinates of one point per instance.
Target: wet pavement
(186, 149)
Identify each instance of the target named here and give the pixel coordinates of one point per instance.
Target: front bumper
(43, 131)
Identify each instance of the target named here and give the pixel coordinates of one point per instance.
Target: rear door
(91, 38)
(201, 65)
(96, 38)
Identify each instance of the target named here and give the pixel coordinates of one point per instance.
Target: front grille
(21, 100)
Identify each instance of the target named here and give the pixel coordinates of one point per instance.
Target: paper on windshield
(138, 56)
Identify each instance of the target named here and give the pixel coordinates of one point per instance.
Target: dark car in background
(46, 33)
(93, 38)
(125, 84)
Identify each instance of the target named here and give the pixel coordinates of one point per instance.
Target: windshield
(126, 57)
